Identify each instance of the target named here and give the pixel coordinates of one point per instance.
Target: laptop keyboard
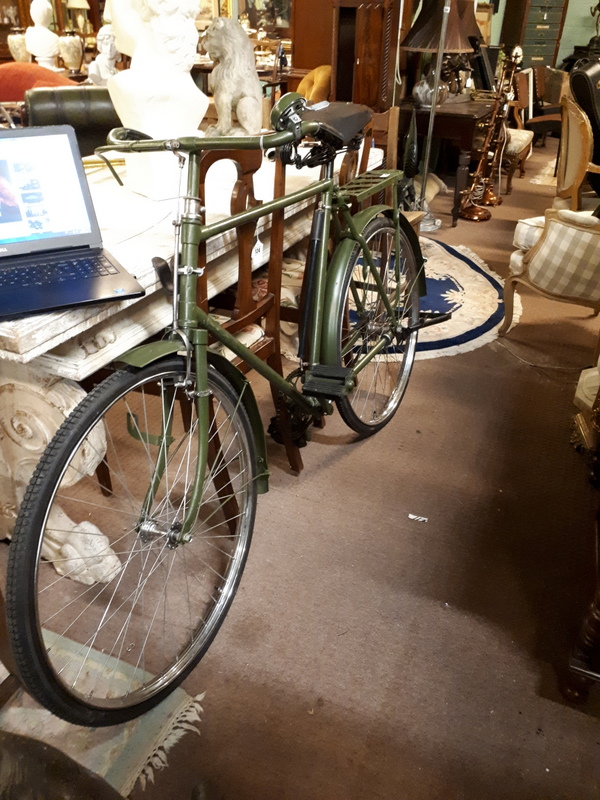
(68, 269)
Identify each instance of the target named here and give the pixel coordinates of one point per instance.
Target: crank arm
(428, 318)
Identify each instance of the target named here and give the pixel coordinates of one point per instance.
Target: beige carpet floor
(369, 655)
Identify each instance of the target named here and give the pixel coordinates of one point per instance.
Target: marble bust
(40, 41)
(103, 66)
(157, 94)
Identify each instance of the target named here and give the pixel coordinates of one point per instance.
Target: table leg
(462, 178)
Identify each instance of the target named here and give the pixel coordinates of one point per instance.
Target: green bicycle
(159, 467)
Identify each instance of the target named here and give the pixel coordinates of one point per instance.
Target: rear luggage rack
(369, 183)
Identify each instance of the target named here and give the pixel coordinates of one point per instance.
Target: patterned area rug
(121, 754)
(460, 282)
(546, 177)
(457, 281)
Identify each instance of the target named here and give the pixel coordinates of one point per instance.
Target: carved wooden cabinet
(12, 15)
(364, 51)
(311, 33)
(537, 26)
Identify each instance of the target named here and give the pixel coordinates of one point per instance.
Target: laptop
(51, 254)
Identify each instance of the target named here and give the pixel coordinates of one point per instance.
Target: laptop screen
(45, 202)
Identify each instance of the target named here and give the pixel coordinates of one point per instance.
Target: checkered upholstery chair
(558, 256)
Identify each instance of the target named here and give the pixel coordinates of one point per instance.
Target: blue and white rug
(459, 281)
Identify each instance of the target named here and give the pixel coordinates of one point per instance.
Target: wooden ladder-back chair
(239, 305)
(381, 132)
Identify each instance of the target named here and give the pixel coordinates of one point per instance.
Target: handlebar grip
(117, 135)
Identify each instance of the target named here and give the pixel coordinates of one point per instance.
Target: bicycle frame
(193, 325)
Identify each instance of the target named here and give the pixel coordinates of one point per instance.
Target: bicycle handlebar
(117, 140)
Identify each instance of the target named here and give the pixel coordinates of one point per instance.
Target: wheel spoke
(381, 383)
(115, 640)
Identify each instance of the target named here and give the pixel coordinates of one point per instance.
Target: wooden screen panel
(364, 51)
(312, 21)
(368, 76)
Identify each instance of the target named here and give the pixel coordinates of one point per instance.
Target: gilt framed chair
(563, 265)
(575, 159)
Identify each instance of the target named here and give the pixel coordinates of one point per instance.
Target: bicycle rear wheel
(109, 607)
(364, 323)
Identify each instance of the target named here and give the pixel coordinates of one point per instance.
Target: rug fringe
(187, 719)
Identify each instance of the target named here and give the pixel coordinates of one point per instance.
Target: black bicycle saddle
(340, 122)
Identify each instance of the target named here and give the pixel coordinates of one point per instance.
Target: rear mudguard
(337, 270)
(148, 353)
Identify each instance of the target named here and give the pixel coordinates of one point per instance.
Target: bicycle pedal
(428, 318)
(326, 381)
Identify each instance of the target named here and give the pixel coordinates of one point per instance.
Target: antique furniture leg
(509, 297)
(462, 179)
(273, 321)
(11, 683)
(512, 166)
(582, 668)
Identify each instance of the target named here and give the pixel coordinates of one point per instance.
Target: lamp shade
(468, 20)
(78, 4)
(424, 36)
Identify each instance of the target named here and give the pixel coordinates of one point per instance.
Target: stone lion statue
(233, 80)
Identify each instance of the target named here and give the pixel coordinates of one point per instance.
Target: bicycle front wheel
(110, 605)
(366, 325)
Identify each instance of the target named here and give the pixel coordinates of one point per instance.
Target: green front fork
(164, 441)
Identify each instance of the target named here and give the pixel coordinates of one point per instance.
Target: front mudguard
(337, 271)
(148, 353)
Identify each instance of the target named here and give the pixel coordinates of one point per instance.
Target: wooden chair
(575, 159)
(550, 86)
(518, 144)
(239, 305)
(382, 132)
(521, 135)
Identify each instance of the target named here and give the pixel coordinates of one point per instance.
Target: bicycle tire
(381, 385)
(99, 642)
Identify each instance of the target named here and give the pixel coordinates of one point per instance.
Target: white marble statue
(103, 66)
(157, 95)
(33, 404)
(40, 41)
(234, 80)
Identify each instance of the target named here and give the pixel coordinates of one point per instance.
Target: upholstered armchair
(17, 77)
(559, 257)
(316, 86)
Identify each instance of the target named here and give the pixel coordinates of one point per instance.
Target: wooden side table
(457, 121)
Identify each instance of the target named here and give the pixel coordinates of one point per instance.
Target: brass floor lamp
(437, 29)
